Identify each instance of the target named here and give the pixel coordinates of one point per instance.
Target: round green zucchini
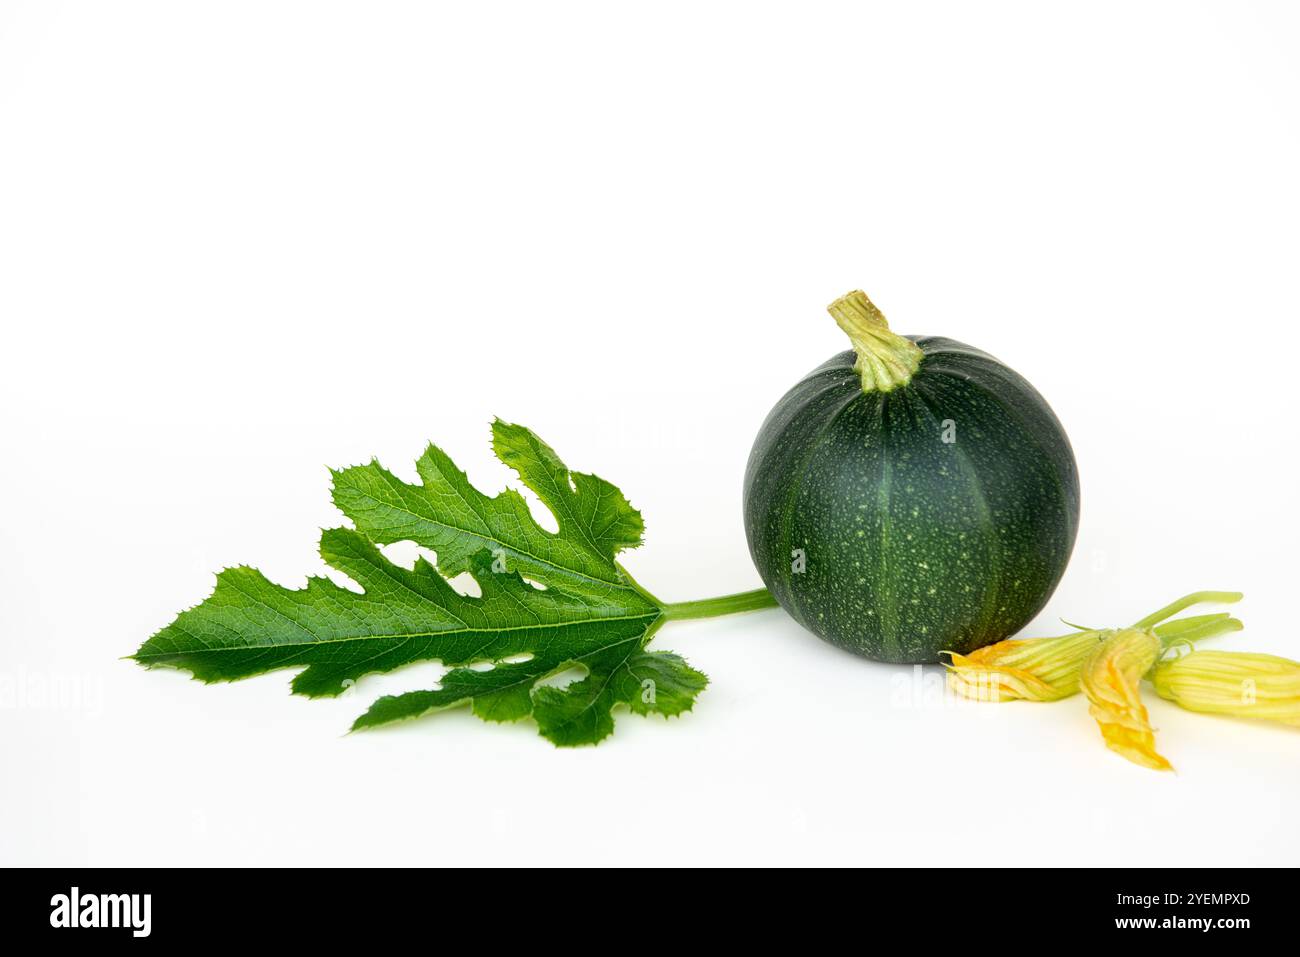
(910, 496)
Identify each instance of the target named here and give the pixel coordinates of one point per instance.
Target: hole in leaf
(509, 660)
(538, 585)
(541, 514)
(404, 554)
(343, 581)
(563, 679)
(466, 584)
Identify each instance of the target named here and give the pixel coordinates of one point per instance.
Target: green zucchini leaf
(548, 603)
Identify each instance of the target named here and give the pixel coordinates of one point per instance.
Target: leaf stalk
(724, 605)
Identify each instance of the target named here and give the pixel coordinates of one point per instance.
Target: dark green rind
(913, 546)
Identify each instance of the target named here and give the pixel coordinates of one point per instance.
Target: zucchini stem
(886, 360)
(725, 605)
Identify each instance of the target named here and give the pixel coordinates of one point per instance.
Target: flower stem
(725, 605)
(1196, 598)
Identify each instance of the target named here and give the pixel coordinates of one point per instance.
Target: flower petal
(1110, 679)
(1032, 669)
(1233, 682)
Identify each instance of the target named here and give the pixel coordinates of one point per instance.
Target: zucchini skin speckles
(938, 516)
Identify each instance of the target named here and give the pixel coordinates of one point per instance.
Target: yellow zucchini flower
(1110, 679)
(1048, 669)
(1030, 669)
(1232, 682)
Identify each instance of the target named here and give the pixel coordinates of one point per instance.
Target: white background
(243, 241)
